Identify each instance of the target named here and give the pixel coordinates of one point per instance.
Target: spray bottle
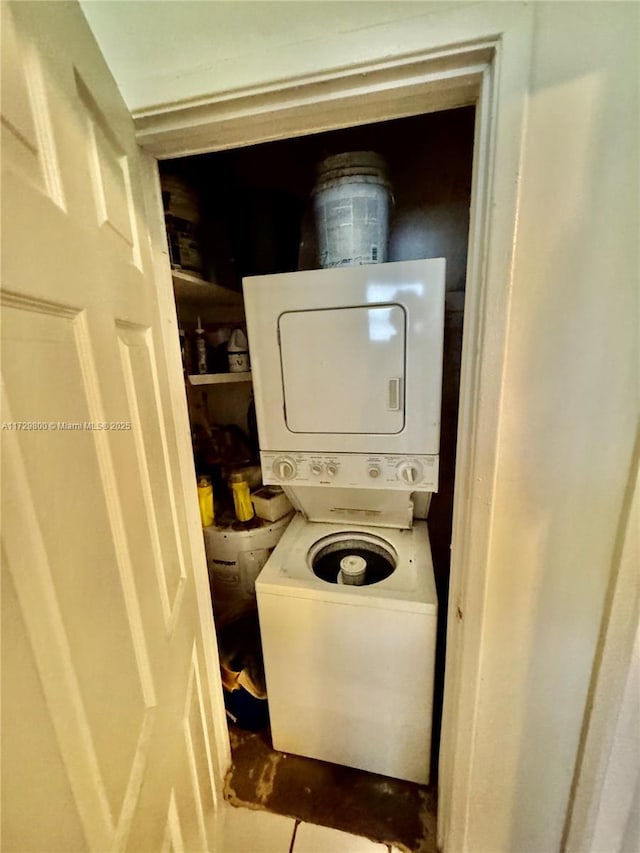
(201, 349)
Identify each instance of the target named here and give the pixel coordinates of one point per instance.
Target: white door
(111, 704)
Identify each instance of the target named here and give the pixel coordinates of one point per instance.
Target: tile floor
(251, 831)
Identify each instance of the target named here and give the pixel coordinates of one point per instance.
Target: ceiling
(165, 52)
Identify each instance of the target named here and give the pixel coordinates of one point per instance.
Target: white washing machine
(349, 668)
(347, 369)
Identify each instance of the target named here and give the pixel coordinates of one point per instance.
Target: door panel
(350, 379)
(106, 649)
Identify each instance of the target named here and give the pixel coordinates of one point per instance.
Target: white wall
(161, 52)
(569, 417)
(570, 402)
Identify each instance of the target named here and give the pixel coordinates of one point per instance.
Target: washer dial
(410, 472)
(285, 468)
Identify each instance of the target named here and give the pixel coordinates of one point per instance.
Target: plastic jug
(238, 352)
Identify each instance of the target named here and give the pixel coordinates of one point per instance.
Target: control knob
(374, 471)
(332, 469)
(410, 472)
(316, 468)
(285, 468)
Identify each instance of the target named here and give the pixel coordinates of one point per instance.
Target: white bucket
(235, 559)
(351, 201)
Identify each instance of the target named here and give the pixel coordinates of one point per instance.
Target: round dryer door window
(352, 558)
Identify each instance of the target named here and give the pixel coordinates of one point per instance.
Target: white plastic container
(351, 200)
(238, 352)
(271, 503)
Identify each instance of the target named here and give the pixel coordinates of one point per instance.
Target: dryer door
(343, 369)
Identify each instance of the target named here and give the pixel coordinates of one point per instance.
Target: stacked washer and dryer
(347, 371)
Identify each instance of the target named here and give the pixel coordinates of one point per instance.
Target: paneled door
(111, 702)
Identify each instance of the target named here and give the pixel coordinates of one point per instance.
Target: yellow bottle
(205, 500)
(241, 498)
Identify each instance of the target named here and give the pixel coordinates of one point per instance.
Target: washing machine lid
(411, 587)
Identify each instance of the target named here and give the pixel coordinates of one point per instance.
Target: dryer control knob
(316, 469)
(374, 471)
(410, 473)
(285, 468)
(332, 469)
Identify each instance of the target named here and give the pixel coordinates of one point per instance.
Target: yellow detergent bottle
(241, 497)
(205, 500)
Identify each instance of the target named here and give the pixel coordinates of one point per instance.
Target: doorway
(258, 219)
(442, 77)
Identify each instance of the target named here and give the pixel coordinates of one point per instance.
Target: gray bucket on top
(351, 199)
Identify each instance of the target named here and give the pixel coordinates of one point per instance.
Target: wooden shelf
(219, 378)
(197, 291)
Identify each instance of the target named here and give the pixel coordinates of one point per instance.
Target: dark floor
(385, 810)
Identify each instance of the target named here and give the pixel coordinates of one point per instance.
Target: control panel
(355, 470)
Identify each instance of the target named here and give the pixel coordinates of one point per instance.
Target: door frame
(480, 55)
